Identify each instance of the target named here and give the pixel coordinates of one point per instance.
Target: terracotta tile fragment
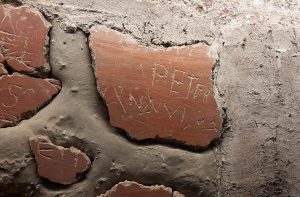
(21, 96)
(56, 163)
(23, 36)
(156, 92)
(133, 189)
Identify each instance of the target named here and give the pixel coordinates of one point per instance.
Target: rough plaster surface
(256, 80)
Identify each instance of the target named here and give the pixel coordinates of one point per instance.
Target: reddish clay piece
(23, 35)
(21, 96)
(56, 163)
(133, 189)
(156, 92)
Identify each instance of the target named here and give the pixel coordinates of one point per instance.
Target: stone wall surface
(149, 98)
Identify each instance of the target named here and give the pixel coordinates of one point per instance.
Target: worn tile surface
(156, 92)
(21, 96)
(56, 163)
(23, 36)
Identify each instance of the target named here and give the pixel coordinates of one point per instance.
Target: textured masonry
(156, 92)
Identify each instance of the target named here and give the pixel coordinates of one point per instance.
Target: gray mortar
(257, 81)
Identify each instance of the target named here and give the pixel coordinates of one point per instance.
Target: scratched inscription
(21, 96)
(165, 93)
(56, 163)
(23, 34)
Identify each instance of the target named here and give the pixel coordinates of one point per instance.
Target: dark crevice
(226, 126)
(223, 110)
(172, 44)
(171, 143)
(104, 109)
(38, 73)
(47, 50)
(53, 186)
(13, 2)
(167, 44)
(9, 70)
(122, 30)
(215, 71)
(17, 189)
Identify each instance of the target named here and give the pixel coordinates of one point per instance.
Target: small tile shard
(133, 189)
(21, 96)
(23, 37)
(156, 92)
(56, 163)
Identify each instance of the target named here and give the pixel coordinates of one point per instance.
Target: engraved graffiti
(22, 38)
(21, 96)
(57, 163)
(15, 92)
(153, 93)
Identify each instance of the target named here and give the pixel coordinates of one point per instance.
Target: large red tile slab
(133, 189)
(56, 163)
(156, 92)
(21, 96)
(23, 36)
